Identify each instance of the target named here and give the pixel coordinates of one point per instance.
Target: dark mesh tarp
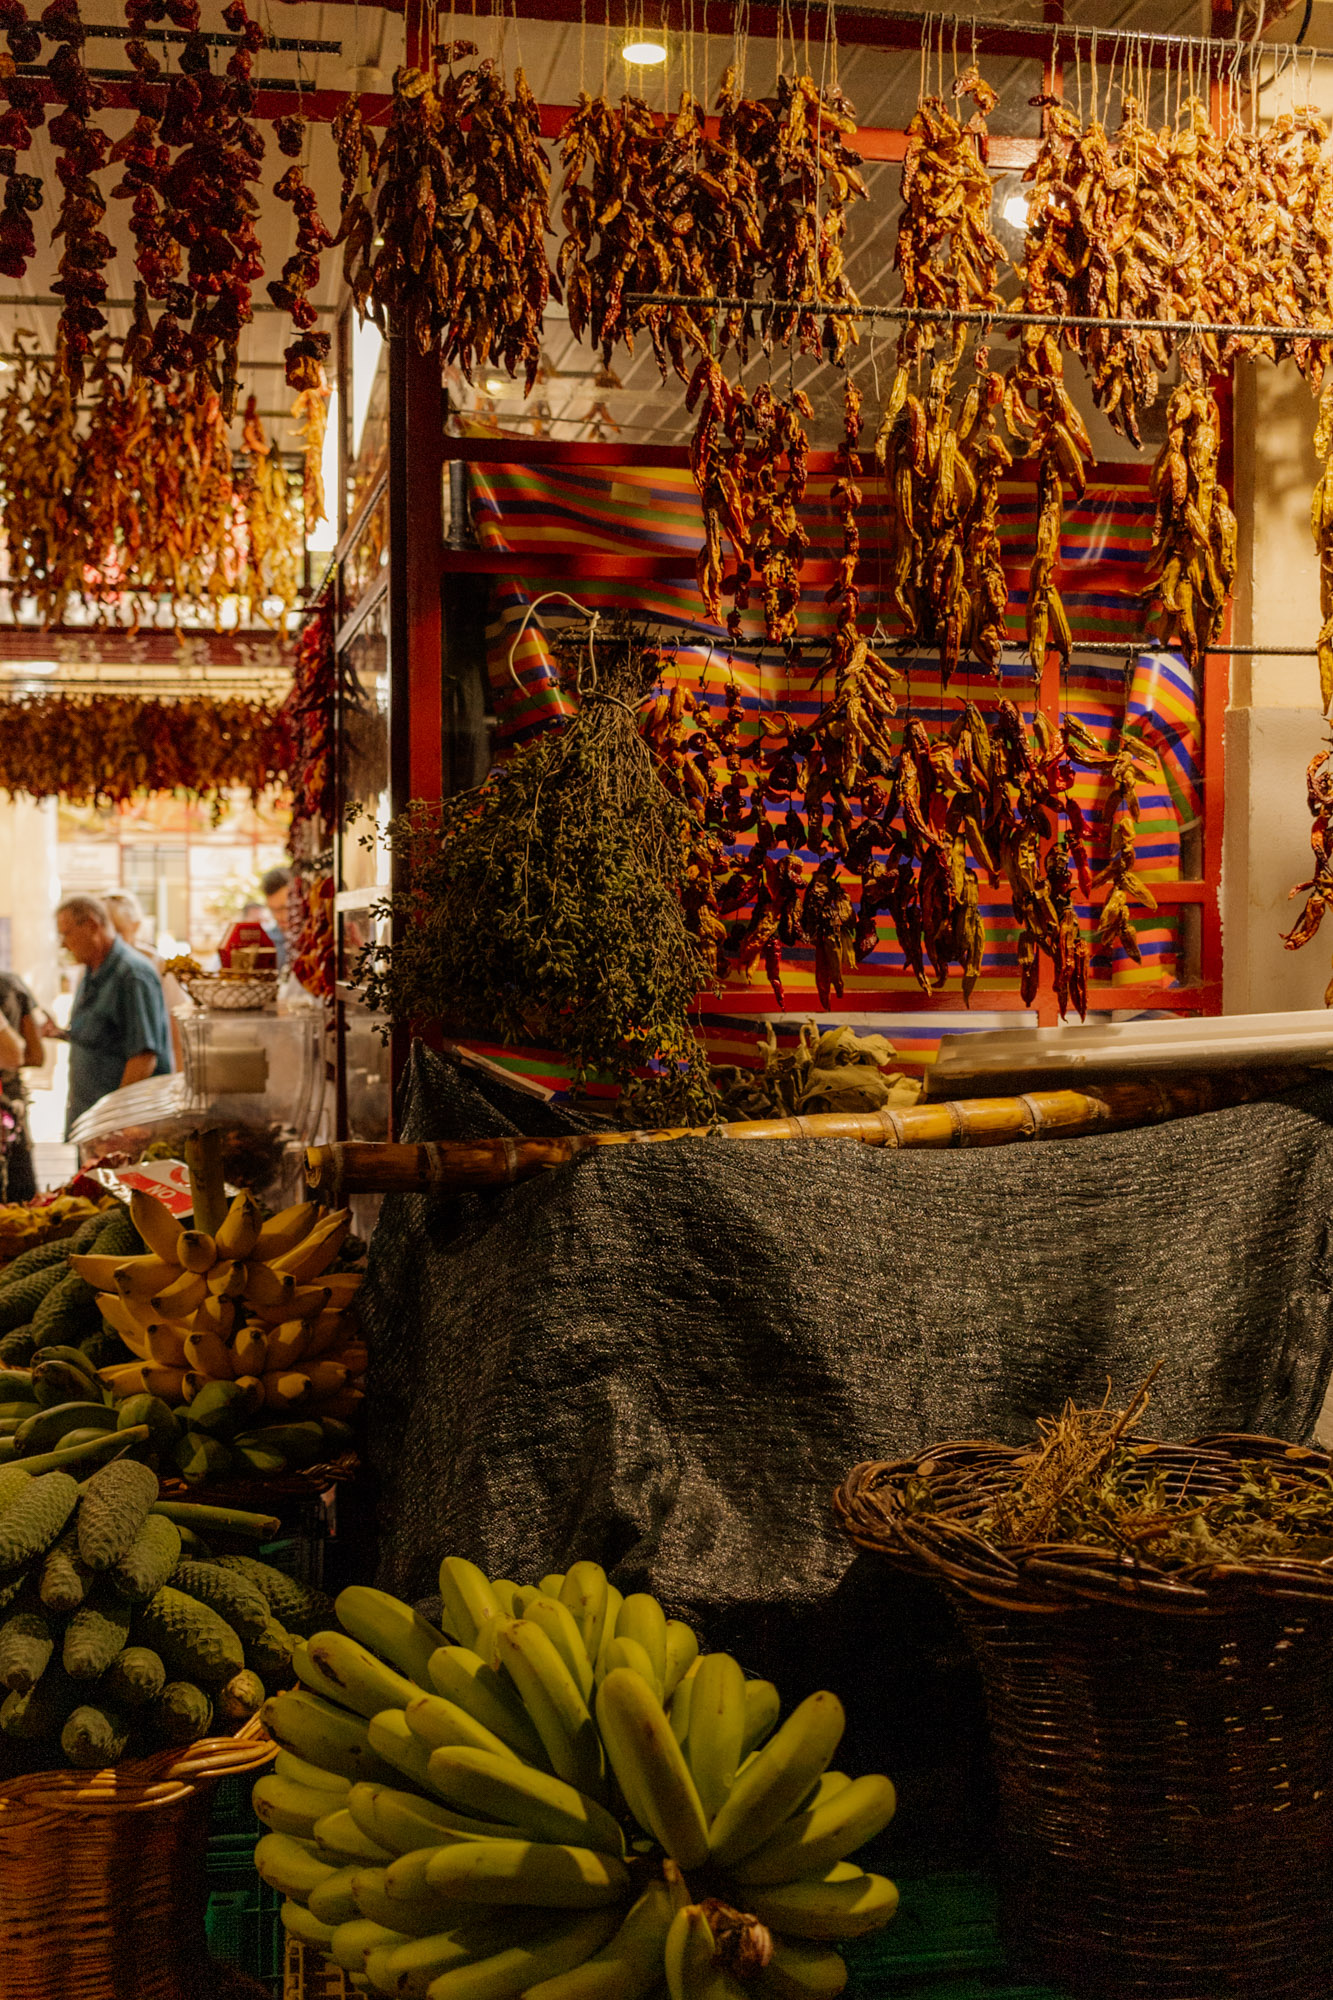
(665, 1357)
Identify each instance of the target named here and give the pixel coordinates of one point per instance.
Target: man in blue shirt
(118, 1030)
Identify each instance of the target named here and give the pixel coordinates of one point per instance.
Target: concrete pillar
(29, 890)
(1274, 724)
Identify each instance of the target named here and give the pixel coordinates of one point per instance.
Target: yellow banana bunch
(255, 1304)
(541, 1779)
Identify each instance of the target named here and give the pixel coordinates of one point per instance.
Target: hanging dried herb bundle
(545, 906)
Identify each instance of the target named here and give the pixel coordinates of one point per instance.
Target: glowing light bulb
(644, 53)
(1015, 211)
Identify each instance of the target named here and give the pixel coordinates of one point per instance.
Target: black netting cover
(665, 1357)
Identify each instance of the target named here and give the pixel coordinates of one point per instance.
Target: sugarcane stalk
(459, 1167)
(208, 1191)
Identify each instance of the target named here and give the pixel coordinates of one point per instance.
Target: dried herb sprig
(545, 906)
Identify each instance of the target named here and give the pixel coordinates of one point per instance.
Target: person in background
(118, 1032)
(275, 887)
(20, 1048)
(127, 916)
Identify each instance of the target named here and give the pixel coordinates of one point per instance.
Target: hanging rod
(47, 304)
(283, 83)
(125, 34)
(974, 316)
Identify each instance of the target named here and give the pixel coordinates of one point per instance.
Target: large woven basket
(1163, 1743)
(102, 1874)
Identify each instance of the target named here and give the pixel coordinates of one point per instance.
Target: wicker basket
(102, 1874)
(247, 993)
(1163, 1743)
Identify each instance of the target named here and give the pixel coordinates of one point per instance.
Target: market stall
(708, 1379)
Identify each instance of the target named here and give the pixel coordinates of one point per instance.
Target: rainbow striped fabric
(539, 514)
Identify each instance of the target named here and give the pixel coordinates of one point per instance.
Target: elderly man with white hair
(118, 1031)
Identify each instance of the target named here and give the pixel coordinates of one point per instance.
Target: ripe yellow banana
(802, 1971)
(763, 1705)
(529, 1872)
(443, 1725)
(554, 1702)
(155, 1223)
(216, 1316)
(394, 1742)
(116, 1313)
(628, 1966)
(770, 1787)
(682, 1650)
(339, 1668)
(332, 1901)
(288, 1765)
(196, 1250)
(418, 1918)
(557, 1621)
(327, 1333)
(520, 1966)
(142, 1277)
(298, 1922)
(283, 1231)
(209, 1355)
(339, 1837)
(317, 1250)
(286, 1343)
(586, 1593)
(323, 1733)
(713, 1746)
(306, 1302)
(266, 1287)
(250, 1348)
(97, 1271)
(143, 1378)
(471, 1612)
(650, 1768)
(501, 1788)
(642, 1618)
(287, 1807)
(166, 1346)
(463, 1676)
(552, 1584)
(228, 1281)
(238, 1232)
(411, 1968)
(845, 1903)
(183, 1296)
(810, 1843)
(679, 1711)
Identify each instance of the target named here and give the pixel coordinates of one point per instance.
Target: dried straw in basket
(102, 1874)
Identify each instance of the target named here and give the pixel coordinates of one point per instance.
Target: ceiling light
(1015, 211)
(644, 53)
(496, 385)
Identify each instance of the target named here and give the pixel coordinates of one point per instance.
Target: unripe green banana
(298, 1922)
(390, 1628)
(629, 1653)
(650, 1767)
(461, 1675)
(501, 1789)
(343, 1839)
(614, 1600)
(442, 1724)
(401, 1821)
(802, 1971)
(351, 1943)
(628, 1966)
(471, 1611)
(689, 1956)
(320, 1733)
(717, 1729)
(414, 1965)
(332, 1901)
(682, 1650)
(341, 1670)
(554, 1703)
(561, 1627)
(290, 1866)
(642, 1617)
(763, 1706)
(527, 1872)
(767, 1791)
(811, 1842)
(520, 1966)
(288, 1765)
(586, 1593)
(288, 1808)
(845, 1903)
(399, 1749)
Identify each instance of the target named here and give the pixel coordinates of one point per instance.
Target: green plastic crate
(241, 1915)
(943, 1944)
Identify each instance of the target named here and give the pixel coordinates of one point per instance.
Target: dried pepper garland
(86, 249)
(138, 498)
(107, 749)
(24, 114)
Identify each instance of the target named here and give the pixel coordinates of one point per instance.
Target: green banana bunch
(513, 1805)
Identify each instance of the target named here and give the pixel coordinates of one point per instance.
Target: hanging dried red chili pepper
(86, 249)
